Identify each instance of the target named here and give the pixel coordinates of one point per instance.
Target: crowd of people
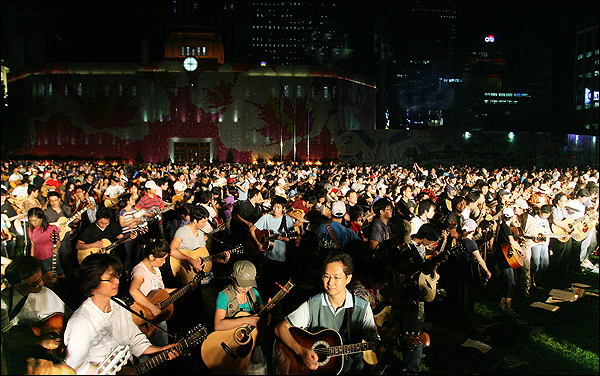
(101, 261)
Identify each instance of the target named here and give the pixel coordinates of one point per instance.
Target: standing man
(381, 229)
(244, 215)
(273, 263)
(343, 235)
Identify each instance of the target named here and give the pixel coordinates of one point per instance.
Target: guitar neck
(352, 349)
(277, 298)
(158, 359)
(176, 295)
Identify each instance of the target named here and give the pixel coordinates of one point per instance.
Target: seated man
(338, 309)
(26, 302)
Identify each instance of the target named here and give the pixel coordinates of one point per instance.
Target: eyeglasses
(336, 278)
(112, 279)
(37, 283)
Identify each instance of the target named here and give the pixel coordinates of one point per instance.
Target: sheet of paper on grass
(567, 296)
(477, 345)
(548, 307)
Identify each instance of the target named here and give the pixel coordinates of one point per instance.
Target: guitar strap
(330, 231)
(282, 225)
(346, 322)
(14, 312)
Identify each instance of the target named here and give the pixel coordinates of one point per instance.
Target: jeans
(507, 282)
(540, 258)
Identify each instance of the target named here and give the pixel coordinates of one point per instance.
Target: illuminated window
(50, 89)
(79, 89)
(66, 90)
(42, 88)
(326, 92)
(188, 50)
(203, 51)
(120, 90)
(182, 51)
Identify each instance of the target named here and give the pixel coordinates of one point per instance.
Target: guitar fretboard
(349, 349)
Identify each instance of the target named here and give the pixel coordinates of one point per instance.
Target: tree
(230, 158)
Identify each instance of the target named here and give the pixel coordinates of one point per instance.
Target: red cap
(229, 180)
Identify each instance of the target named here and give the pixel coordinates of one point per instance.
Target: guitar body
(183, 271)
(51, 324)
(428, 285)
(61, 223)
(166, 313)
(514, 259)
(112, 202)
(287, 363)
(265, 237)
(580, 230)
(82, 254)
(560, 231)
(228, 352)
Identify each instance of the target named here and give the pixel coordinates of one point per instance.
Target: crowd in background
(547, 219)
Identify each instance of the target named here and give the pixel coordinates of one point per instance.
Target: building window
(133, 91)
(182, 51)
(298, 91)
(325, 92)
(79, 89)
(286, 91)
(120, 90)
(203, 51)
(42, 89)
(50, 89)
(188, 50)
(66, 90)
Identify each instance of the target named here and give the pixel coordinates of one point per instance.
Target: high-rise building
(414, 65)
(586, 98)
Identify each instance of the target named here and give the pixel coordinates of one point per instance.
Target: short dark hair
(92, 268)
(157, 248)
(582, 193)
(380, 205)
(342, 257)
(424, 206)
(198, 213)
(355, 212)
(21, 268)
(103, 212)
(253, 192)
(428, 231)
(546, 209)
(279, 200)
(31, 188)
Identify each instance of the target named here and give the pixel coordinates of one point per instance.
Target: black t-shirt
(247, 211)
(504, 232)
(404, 207)
(92, 233)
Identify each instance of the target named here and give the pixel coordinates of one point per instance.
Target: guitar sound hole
(320, 347)
(241, 336)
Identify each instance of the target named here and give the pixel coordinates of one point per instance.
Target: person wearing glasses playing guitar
(336, 308)
(100, 324)
(32, 315)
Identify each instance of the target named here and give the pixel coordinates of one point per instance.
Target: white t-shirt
(152, 281)
(37, 307)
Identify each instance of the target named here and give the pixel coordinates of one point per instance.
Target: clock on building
(190, 63)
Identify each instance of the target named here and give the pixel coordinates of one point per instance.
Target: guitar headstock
(237, 250)
(54, 237)
(196, 335)
(142, 228)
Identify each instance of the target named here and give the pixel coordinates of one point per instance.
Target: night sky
(112, 30)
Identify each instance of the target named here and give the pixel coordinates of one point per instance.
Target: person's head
(406, 191)
(338, 268)
(383, 208)
(25, 274)
(128, 199)
(37, 218)
(278, 203)
(244, 275)
(582, 195)
(252, 193)
(352, 197)
(157, 250)
(99, 274)
(355, 212)
(469, 226)
(427, 208)
(459, 204)
(199, 215)
(545, 211)
(428, 233)
(560, 199)
(32, 189)
(54, 199)
(338, 209)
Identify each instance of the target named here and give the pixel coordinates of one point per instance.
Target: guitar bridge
(228, 351)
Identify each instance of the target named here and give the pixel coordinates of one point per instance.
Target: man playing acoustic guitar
(25, 302)
(338, 309)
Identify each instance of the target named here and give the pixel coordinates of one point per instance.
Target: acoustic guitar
(267, 239)
(51, 279)
(329, 348)
(165, 302)
(113, 362)
(193, 338)
(428, 281)
(108, 246)
(411, 272)
(63, 222)
(228, 352)
(514, 258)
(579, 227)
(184, 272)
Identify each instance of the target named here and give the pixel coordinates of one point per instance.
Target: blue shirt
(268, 222)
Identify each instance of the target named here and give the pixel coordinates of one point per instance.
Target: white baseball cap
(338, 209)
(150, 184)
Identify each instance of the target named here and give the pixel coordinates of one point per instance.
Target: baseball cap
(150, 184)
(520, 203)
(244, 273)
(508, 212)
(338, 209)
(469, 225)
(229, 180)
